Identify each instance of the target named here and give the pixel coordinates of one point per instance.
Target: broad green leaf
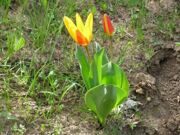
(19, 43)
(112, 74)
(84, 66)
(102, 99)
(91, 72)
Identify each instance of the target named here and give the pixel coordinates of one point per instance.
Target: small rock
(139, 91)
(148, 99)
(178, 99)
(130, 104)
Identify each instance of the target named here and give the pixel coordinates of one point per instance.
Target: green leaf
(104, 58)
(14, 43)
(18, 44)
(102, 99)
(98, 47)
(112, 74)
(84, 66)
(106, 82)
(98, 61)
(91, 72)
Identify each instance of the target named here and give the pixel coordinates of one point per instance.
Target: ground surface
(160, 110)
(41, 90)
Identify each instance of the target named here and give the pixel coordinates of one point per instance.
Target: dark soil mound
(164, 111)
(161, 112)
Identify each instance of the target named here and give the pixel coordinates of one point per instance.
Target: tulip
(107, 25)
(81, 33)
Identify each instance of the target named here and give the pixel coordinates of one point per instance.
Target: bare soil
(164, 110)
(161, 102)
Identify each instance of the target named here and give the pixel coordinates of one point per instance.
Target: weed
(6, 5)
(167, 25)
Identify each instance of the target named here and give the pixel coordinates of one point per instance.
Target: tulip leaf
(97, 47)
(107, 84)
(102, 99)
(84, 66)
(98, 61)
(96, 67)
(105, 58)
(114, 75)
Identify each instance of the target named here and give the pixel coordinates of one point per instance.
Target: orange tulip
(107, 24)
(81, 33)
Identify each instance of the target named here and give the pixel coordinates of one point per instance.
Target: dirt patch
(164, 111)
(161, 102)
(156, 6)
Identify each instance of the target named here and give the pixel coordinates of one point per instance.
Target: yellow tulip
(81, 33)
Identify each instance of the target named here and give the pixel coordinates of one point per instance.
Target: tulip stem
(111, 47)
(87, 51)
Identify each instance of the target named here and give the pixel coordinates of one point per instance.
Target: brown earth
(164, 111)
(161, 108)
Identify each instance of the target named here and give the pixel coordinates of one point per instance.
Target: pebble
(130, 104)
(148, 99)
(139, 91)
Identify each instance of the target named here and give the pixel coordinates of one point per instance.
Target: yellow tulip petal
(89, 22)
(79, 23)
(89, 26)
(71, 27)
(81, 33)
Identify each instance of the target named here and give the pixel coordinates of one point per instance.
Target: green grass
(38, 68)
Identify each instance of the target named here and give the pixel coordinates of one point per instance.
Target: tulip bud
(107, 25)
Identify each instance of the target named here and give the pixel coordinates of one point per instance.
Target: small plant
(14, 44)
(106, 83)
(5, 4)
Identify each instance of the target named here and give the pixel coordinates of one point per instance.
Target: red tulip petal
(108, 27)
